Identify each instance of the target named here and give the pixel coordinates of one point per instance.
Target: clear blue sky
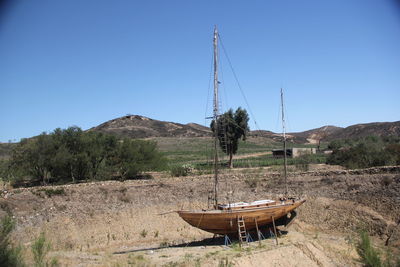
(65, 63)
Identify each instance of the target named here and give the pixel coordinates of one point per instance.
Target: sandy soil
(118, 223)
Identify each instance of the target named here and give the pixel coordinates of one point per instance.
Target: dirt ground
(118, 223)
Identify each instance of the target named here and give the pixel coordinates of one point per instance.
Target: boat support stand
(227, 241)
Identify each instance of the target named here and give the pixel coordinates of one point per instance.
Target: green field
(198, 151)
(268, 160)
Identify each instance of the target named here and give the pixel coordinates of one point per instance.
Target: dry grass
(95, 222)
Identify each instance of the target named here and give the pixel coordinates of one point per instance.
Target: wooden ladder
(242, 234)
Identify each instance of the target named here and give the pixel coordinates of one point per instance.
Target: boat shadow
(221, 240)
(212, 241)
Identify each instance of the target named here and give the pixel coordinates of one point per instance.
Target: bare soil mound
(109, 223)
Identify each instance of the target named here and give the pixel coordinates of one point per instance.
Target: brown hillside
(277, 137)
(135, 126)
(314, 135)
(367, 129)
(329, 133)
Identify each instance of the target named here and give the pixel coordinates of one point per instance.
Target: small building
(294, 152)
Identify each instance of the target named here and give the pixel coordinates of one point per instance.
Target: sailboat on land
(232, 218)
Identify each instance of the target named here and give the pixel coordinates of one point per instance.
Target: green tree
(232, 127)
(99, 148)
(34, 156)
(394, 151)
(132, 157)
(71, 155)
(4, 170)
(75, 160)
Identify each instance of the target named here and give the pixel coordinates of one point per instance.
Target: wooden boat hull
(225, 221)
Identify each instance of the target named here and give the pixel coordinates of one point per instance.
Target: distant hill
(271, 135)
(135, 126)
(367, 129)
(314, 135)
(310, 136)
(329, 133)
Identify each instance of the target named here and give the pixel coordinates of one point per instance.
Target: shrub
(327, 180)
(132, 157)
(183, 170)
(40, 249)
(163, 244)
(365, 152)
(302, 162)
(386, 181)
(252, 182)
(225, 262)
(143, 233)
(71, 155)
(4, 170)
(53, 192)
(9, 255)
(369, 256)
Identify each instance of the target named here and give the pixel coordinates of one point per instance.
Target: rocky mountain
(367, 129)
(135, 126)
(329, 133)
(314, 135)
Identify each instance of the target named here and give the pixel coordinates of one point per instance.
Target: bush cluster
(71, 155)
(181, 170)
(303, 162)
(365, 152)
(371, 256)
(9, 255)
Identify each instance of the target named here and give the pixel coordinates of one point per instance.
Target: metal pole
(215, 117)
(284, 143)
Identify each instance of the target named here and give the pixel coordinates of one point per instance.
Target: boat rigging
(232, 218)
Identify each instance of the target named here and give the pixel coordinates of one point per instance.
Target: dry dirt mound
(87, 223)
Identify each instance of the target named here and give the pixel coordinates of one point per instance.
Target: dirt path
(252, 155)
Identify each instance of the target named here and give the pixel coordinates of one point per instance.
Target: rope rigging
(225, 120)
(237, 81)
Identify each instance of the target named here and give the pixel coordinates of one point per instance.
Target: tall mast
(284, 143)
(215, 115)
